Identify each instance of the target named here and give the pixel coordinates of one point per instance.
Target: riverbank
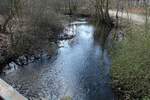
(27, 50)
(26, 42)
(130, 64)
(46, 47)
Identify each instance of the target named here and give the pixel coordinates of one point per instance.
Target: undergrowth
(131, 64)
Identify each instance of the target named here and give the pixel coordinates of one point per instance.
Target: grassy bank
(131, 64)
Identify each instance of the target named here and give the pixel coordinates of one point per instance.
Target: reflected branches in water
(101, 34)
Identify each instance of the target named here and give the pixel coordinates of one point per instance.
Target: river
(80, 70)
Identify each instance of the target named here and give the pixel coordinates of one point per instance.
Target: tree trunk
(4, 27)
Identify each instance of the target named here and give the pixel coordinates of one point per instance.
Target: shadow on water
(102, 34)
(80, 70)
(103, 37)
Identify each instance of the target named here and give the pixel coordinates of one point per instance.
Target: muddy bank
(13, 62)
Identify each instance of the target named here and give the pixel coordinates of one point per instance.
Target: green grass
(131, 65)
(66, 98)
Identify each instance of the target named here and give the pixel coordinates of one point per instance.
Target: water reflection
(80, 70)
(102, 34)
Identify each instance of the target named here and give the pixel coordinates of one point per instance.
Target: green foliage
(146, 98)
(131, 64)
(66, 98)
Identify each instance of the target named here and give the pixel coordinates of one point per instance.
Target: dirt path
(138, 19)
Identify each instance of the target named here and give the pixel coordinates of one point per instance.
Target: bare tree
(102, 11)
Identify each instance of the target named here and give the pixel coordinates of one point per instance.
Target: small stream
(79, 71)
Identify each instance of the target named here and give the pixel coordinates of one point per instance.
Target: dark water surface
(80, 70)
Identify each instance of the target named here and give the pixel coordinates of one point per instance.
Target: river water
(80, 70)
